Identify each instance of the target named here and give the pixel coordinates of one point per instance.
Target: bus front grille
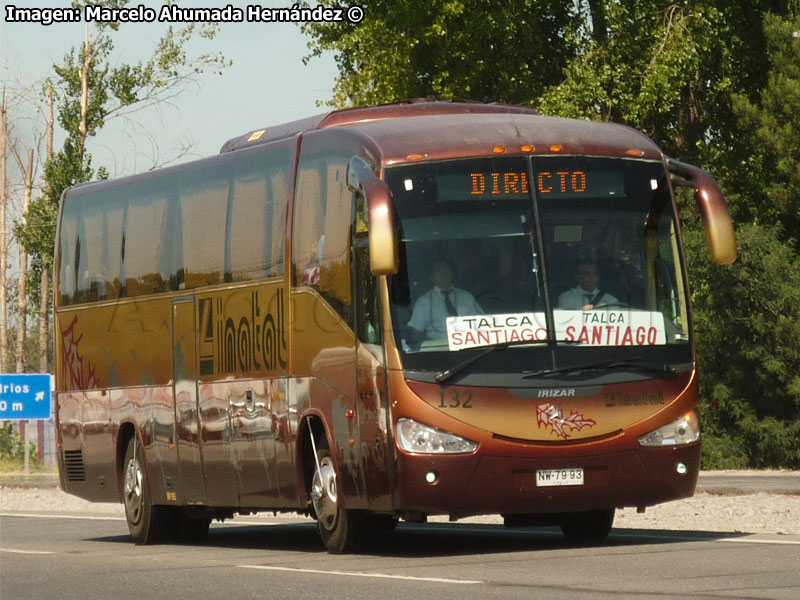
(73, 464)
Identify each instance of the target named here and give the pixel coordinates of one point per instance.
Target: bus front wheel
(341, 530)
(145, 521)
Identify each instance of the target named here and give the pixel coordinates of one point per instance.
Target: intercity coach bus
(371, 315)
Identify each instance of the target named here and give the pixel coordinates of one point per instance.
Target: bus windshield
(568, 259)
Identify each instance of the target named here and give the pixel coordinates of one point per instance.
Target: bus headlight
(684, 430)
(422, 439)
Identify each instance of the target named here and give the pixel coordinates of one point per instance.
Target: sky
(266, 85)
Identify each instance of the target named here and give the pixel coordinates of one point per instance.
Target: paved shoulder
(749, 482)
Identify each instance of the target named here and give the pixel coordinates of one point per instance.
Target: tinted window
(258, 216)
(323, 225)
(204, 208)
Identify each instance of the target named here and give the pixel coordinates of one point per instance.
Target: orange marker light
(527, 148)
(349, 413)
(415, 157)
(499, 149)
(555, 148)
(634, 152)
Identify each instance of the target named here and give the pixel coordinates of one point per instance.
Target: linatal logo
(551, 416)
(239, 336)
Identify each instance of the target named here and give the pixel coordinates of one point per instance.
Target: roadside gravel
(752, 513)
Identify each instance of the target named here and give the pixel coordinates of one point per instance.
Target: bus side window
(322, 230)
(204, 207)
(68, 242)
(101, 248)
(258, 215)
(366, 292)
(309, 216)
(146, 244)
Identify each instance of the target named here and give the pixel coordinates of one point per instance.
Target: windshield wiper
(443, 376)
(662, 369)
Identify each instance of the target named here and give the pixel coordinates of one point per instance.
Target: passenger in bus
(586, 295)
(429, 316)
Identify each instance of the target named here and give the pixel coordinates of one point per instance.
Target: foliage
(451, 49)
(12, 449)
(772, 122)
(747, 319)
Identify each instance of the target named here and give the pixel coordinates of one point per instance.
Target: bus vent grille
(73, 461)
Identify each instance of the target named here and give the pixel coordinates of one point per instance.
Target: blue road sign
(24, 397)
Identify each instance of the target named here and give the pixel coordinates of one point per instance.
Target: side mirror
(713, 209)
(383, 252)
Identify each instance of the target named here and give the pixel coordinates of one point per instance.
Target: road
(58, 556)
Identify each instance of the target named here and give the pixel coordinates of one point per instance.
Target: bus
(368, 315)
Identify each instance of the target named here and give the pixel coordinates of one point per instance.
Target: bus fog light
(681, 468)
(416, 437)
(431, 477)
(684, 430)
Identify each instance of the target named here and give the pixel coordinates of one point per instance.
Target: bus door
(187, 416)
(373, 409)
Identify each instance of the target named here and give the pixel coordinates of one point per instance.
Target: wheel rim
(324, 495)
(133, 490)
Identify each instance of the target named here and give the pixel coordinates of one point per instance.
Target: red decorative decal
(550, 416)
(73, 362)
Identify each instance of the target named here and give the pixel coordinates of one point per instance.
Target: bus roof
(431, 130)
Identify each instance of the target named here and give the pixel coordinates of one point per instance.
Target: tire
(341, 530)
(587, 527)
(147, 523)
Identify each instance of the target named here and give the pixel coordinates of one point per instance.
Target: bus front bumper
(475, 484)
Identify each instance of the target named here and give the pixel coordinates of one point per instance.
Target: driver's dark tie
(448, 304)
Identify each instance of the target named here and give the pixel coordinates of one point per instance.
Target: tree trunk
(83, 129)
(23, 272)
(3, 242)
(44, 312)
(597, 10)
(44, 302)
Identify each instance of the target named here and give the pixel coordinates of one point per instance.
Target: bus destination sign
(515, 185)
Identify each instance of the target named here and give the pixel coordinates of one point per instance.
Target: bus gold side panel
(323, 349)
(124, 344)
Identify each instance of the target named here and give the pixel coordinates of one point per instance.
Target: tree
(451, 49)
(747, 319)
(772, 120)
(90, 91)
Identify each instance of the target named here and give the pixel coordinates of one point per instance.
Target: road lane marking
(368, 575)
(25, 551)
(47, 516)
(751, 541)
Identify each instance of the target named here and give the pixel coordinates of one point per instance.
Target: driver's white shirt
(430, 312)
(577, 298)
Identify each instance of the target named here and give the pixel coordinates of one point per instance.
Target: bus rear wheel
(587, 527)
(146, 522)
(341, 530)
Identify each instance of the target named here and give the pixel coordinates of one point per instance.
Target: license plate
(556, 477)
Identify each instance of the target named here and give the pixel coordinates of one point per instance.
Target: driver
(586, 295)
(429, 317)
